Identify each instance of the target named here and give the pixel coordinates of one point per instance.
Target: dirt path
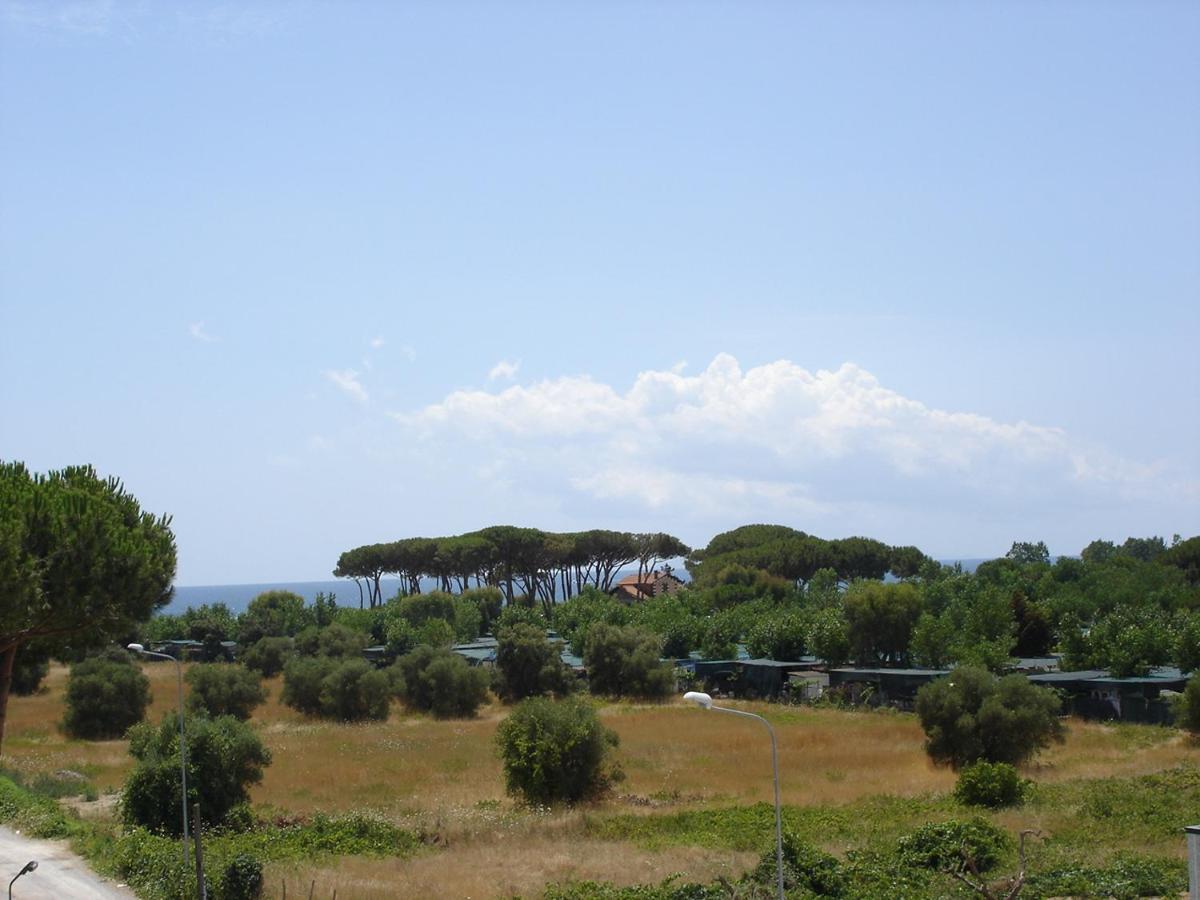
(60, 873)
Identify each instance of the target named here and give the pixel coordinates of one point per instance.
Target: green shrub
(354, 690)
(224, 757)
(441, 682)
(35, 815)
(242, 878)
(269, 655)
(221, 689)
(971, 715)
(556, 750)
(954, 846)
(338, 641)
(348, 690)
(1126, 878)
(30, 668)
(989, 784)
(104, 697)
(528, 664)
(1188, 709)
(303, 678)
(805, 869)
(520, 615)
(273, 614)
(779, 636)
(624, 662)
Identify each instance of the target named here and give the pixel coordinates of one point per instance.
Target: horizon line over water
(238, 596)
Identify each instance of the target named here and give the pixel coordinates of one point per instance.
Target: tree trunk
(6, 669)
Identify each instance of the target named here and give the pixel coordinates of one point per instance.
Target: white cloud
(196, 330)
(376, 343)
(776, 438)
(347, 381)
(505, 370)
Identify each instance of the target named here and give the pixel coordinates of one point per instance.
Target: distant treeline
(550, 566)
(542, 565)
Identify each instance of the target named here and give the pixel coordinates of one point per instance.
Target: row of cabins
(1092, 694)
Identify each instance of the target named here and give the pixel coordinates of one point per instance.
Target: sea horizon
(238, 596)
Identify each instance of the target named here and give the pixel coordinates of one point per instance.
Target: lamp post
(138, 648)
(705, 701)
(29, 867)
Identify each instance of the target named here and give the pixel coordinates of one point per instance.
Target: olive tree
(972, 715)
(81, 563)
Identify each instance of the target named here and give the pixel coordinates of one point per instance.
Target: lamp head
(29, 867)
(136, 648)
(699, 698)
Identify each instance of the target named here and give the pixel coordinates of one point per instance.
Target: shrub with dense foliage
(624, 662)
(556, 750)
(954, 846)
(1188, 711)
(31, 667)
(347, 690)
(993, 785)
(528, 664)
(105, 695)
(273, 614)
(971, 715)
(269, 655)
(225, 757)
(221, 689)
(334, 640)
(443, 683)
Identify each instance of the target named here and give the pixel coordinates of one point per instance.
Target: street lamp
(29, 867)
(706, 702)
(138, 648)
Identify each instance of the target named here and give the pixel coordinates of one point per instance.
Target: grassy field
(688, 803)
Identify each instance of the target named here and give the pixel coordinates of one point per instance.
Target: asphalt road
(60, 875)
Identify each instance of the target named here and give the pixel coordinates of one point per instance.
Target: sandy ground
(60, 873)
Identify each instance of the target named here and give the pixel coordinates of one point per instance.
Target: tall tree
(80, 562)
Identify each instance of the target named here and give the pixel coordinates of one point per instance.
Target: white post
(1193, 839)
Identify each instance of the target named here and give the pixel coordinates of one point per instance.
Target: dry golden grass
(445, 777)
(493, 869)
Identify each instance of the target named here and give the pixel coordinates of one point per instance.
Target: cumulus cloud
(774, 440)
(347, 381)
(196, 330)
(505, 370)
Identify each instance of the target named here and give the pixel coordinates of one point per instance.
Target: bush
(269, 655)
(354, 691)
(971, 715)
(989, 784)
(273, 614)
(220, 689)
(528, 664)
(441, 682)
(556, 750)
(954, 846)
(225, 757)
(302, 681)
(805, 869)
(29, 669)
(349, 690)
(242, 878)
(104, 697)
(1188, 710)
(335, 640)
(624, 661)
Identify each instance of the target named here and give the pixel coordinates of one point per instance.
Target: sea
(238, 596)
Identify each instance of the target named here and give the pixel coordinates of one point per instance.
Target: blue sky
(313, 275)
